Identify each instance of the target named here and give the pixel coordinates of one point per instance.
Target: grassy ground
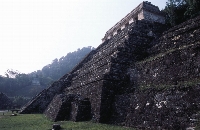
(39, 122)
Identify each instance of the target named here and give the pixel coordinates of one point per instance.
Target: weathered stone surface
(144, 10)
(172, 64)
(171, 108)
(139, 77)
(69, 107)
(80, 110)
(120, 110)
(167, 65)
(41, 101)
(59, 107)
(103, 69)
(5, 102)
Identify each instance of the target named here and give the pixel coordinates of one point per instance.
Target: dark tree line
(16, 84)
(178, 11)
(60, 67)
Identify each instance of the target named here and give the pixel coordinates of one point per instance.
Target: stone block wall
(69, 107)
(120, 110)
(174, 60)
(176, 67)
(40, 102)
(88, 81)
(144, 11)
(59, 108)
(178, 36)
(165, 84)
(104, 74)
(136, 78)
(173, 108)
(93, 93)
(101, 75)
(80, 110)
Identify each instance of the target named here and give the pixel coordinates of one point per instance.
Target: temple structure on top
(145, 10)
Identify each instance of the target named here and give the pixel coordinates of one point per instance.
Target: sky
(35, 32)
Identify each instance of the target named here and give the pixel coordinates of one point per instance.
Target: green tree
(175, 11)
(193, 8)
(178, 11)
(19, 84)
(20, 100)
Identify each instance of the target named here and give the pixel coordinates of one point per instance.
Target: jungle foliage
(16, 84)
(178, 11)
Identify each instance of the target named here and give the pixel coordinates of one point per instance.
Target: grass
(183, 84)
(40, 122)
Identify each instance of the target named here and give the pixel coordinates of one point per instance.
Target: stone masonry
(134, 78)
(145, 10)
(166, 83)
(100, 75)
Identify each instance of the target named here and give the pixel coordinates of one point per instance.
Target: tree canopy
(178, 11)
(16, 84)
